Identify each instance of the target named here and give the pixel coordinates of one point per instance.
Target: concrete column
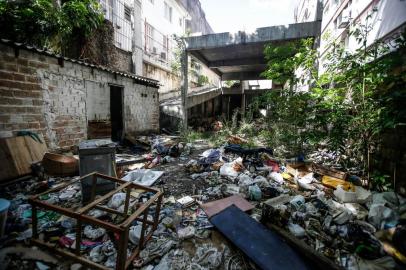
(185, 86)
(137, 50)
(242, 99)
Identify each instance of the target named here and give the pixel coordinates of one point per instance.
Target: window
(180, 21)
(326, 8)
(127, 13)
(149, 38)
(151, 1)
(168, 12)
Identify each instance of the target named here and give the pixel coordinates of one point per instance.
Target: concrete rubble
(351, 226)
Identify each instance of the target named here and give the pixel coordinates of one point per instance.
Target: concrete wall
(123, 60)
(388, 17)
(59, 98)
(198, 22)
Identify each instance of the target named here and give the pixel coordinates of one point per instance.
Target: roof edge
(140, 79)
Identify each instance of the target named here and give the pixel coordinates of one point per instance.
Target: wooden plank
(36, 149)
(68, 254)
(321, 261)
(7, 168)
(17, 154)
(322, 170)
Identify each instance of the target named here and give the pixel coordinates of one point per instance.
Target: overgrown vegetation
(45, 23)
(346, 108)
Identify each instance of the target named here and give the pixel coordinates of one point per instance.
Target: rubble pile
(339, 219)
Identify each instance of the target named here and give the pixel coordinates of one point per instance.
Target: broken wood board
(298, 169)
(319, 260)
(322, 170)
(264, 247)
(18, 153)
(215, 207)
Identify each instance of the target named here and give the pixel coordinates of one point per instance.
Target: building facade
(162, 20)
(386, 19)
(68, 101)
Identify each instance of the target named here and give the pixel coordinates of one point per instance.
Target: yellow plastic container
(333, 182)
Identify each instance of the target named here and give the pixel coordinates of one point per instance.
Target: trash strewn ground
(328, 210)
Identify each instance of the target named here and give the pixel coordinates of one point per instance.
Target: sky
(236, 15)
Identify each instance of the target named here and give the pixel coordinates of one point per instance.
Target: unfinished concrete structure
(68, 101)
(241, 56)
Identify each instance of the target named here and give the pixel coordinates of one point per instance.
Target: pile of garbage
(328, 210)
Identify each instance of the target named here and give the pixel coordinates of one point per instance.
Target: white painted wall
(389, 16)
(114, 11)
(153, 41)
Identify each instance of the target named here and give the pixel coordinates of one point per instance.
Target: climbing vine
(45, 23)
(347, 107)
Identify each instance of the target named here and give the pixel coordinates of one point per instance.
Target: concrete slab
(240, 56)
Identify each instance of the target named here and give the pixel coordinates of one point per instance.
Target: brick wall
(58, 99)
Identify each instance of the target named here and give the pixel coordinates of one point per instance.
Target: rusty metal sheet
(215, 207)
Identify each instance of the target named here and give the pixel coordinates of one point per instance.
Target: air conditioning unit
(344, 19)
(163, 55)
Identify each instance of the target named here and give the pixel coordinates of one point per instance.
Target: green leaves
(349, 106)
(44, 24)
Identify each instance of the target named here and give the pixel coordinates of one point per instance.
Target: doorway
(116, 112)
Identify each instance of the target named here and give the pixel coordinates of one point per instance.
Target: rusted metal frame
(70, 255)
(157, 211)
(104, 197)
(93, 191)
(116, 180)
(34, 221)
(134, 185)
(112, 211)
(140, 210)
(76, 215)
(147, 221)
(143, 228)
(55, 189)
(127, 201)
(78, 236)
(122, 250)
(137, 250)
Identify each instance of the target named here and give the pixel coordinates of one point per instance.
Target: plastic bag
(117, 200)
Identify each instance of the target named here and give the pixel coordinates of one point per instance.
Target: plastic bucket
(4, 205)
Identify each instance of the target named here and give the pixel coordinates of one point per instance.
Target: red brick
(33, 110)
(4, 118)
(9, 58)
(22, 61)
(37, 102)
(6, 93)
(32, 79)
(38, 64)
(18, 77)
(11, 67)
(6, 75)
(11, 101)
(27, 70)
(34, 125)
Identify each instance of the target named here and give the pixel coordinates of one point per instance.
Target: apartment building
(161, 21)
(124, 16)
(386, 18)
(144, 33)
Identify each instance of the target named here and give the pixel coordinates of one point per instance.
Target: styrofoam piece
(143, 177)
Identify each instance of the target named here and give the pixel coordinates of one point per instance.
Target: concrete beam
(242, 76)
(237, 62)
(200, 98)
(262, 35)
